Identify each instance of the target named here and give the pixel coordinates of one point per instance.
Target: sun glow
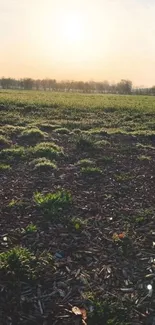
(73, 27)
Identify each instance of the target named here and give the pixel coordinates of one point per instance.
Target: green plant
(78, 223)
(4, 167)
(31, 228)
(15, 203)
(143, 157)
(32, 134)
(12, 153)
(85, 143)
(53, 203)
(19, 263)
(123, 177)
(102, 143)
(109, 311)
(62, 131)
(91, 171)
(85, 163)
(43, 164)
(4, 142)
(47, 149)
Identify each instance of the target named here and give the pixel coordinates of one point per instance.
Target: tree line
(123, 87)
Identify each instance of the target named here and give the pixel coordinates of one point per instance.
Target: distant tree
(124, 87)
(152, 90)
(7, 83)
(28, 83)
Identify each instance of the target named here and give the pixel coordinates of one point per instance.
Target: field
(77, 209)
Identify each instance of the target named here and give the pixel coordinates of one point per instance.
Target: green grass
(102, 143)
(85, 163)
(30, 229)
(47, 150)
(91, 171)
(62, 131)
(4, 142)
(4, 167)
(12, 154)
(16, 203)
(123, 177)
(53, 204)
(85, 143)
(32, 135)
(19, 263)
(43, 164)
(143, 157)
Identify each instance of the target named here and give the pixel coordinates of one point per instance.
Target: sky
(78, 40)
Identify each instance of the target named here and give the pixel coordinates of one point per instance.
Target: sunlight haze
(78, 39)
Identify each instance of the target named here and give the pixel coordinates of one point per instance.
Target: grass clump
(124, 177)
(4, 167)
(85, 143)
(30, 229)
(91, 171)
(47, 150)
(4, 142)
(85, 163)
(32, 135)
(19, 263)
(109, 312)
(78, 223)
(62, 130)
(53, 203)
(15, 203)
(43, 164)
(102, 143)
(143, 157)
(11, 154)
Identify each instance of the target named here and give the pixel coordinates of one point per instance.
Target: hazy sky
(78, 39)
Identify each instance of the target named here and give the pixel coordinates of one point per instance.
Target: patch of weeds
(62, 130)
(19, 263)
(48, 150)
(91, 171)
(78, 223)
(4, 167)
(123, 177)
(11, 154)
(43, 164)
(15, 203)
(32, 135)
(139, 219)
(77, 131)
(85, 163)
(140, 145)
(13, 130)
(143, 157)
(106, 159)
(109, 311)
(4, 142)
(48, 127)
(102, 143)
(85, 143)
(101, 132)
(53, 204)
(31, 228)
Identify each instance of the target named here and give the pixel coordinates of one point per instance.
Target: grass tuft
(91, 171)
(47, 150)
(62, 130)
(4, 142)
(43, 164)
(53, 203)
(4, 167)
(32, 135)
